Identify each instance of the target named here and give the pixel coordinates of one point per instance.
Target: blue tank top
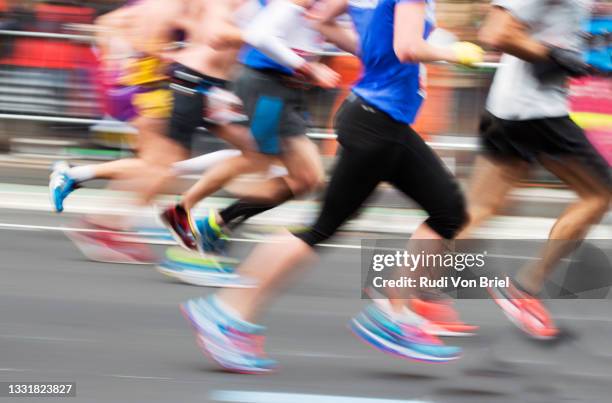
(253, 58)
(388, 84)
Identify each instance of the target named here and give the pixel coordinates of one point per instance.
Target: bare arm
(324, 18)
(343, 37)
(506, 33)
(224, 32)
(408, 41)
(152, 25)
(109, 26)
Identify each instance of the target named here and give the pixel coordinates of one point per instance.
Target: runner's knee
(313, 236)
(305, 181)
(597, 206)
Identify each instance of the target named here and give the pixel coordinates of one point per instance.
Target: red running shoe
(526, 311)
(103, 245)
(442, 318)
(177, 220)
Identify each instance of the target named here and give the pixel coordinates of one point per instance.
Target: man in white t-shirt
(527, 121)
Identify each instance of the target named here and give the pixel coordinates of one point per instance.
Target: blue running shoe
(236, 345)
(207, 271)
(209, 235)
(378, 329)
(60, 185)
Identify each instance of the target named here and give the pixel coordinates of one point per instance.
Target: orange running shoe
(526, 311)
(442, 318)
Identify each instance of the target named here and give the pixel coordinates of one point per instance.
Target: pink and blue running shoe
(377, 328)
(234, 344)
(60, 185)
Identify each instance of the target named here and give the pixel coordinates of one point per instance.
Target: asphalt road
(116, 331)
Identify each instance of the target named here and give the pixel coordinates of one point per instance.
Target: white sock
(82, 174)
(203, 162)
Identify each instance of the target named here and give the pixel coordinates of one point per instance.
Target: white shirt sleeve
(268, 31)
(526, 11)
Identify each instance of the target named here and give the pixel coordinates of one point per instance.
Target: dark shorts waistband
(282, 77)
(187, 77)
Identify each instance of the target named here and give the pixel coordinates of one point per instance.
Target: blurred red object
(54, 53)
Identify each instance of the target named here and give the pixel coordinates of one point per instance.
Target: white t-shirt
(516, 94)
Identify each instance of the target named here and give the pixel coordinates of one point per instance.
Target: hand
(319, 74)
(467, 53)
(570, 61)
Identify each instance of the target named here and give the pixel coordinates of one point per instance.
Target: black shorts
(377, 148)
(188, 87)
(275, 107)
(530, 140)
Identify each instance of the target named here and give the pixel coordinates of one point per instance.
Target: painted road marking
(140, 237)
(238, 396)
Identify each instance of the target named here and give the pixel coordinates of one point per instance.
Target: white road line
(155, 378)
(238, 396)
(43, 338)
(139, 235)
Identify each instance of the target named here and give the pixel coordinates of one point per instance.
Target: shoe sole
(450, 333)
(504, 304)
(366, 337)
(108, 256)
(181, 255)
(199, 279)
(201, 342)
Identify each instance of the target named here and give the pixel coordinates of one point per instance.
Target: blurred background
(60, 316)
(50, 101)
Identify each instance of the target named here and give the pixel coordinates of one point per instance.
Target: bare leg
(488, 190)
(118, 169)
(288, 252)
(158, 153)
(573, 224)
(302, 159)
(399, 302)
(221, 174)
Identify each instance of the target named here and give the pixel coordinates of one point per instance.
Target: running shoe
(60, 185)
(177, 220)
(207, 271)
(102, 245)
(235, 345)
(441, 318)
(526, 311)
(209, 235)
(376, 327)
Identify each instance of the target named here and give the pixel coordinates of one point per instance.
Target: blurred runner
(271, 87)
(199, 79)
(527, 121)
(136, 91)
(377, 145)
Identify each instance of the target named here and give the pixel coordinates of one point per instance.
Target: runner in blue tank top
(377, 145)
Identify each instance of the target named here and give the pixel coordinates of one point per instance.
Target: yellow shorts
(154, 104)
